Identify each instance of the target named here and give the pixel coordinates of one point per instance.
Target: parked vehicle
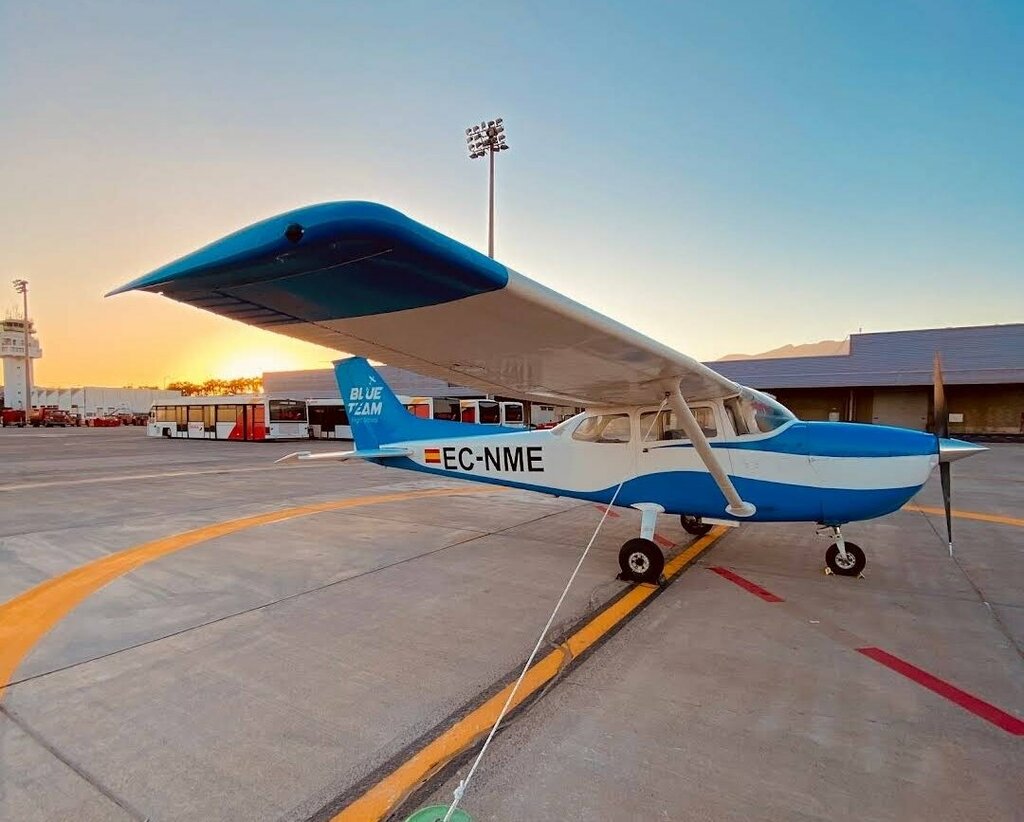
(48, 417)
(12, 417)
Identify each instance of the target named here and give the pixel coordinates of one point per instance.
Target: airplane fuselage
(803, 471)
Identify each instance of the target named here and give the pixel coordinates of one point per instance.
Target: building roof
(322, 384)
(976, 355)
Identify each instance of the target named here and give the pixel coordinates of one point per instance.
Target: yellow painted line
(976, 515)
(26, 618)
(387, 794)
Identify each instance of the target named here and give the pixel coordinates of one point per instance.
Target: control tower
(18, 389)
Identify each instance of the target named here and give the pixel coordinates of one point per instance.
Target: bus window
(208, 414)
(195, 413)
(418, 409)
(445, 409)
(513, 412)
(287, 411)
(227, 413)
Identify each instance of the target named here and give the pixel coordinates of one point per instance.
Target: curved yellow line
(976, 515)
(26, 618)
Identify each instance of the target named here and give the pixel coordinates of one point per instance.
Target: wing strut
(736, 507)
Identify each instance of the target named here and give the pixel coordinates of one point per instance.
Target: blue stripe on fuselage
(695, 492)
(833, 439)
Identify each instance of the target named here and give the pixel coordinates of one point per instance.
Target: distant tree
(217, 388)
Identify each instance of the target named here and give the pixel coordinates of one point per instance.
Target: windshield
(768, 413)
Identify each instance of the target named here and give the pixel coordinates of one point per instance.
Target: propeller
(941, 433)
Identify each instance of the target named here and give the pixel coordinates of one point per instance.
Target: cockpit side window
(607, 428)
(667, 427)
(734, 408)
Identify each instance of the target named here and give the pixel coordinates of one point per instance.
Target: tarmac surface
(193, 633)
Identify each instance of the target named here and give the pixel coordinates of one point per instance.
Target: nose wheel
(641, 560)
(844, 559)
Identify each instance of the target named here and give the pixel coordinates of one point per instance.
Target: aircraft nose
(952, 450)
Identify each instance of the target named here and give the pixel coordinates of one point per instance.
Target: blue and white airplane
(661, 433)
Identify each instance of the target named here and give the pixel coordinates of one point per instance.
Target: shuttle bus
(328, 420)
(245, 417)
(432, 408)
(492, 412)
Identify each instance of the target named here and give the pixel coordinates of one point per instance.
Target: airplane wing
(364, 279)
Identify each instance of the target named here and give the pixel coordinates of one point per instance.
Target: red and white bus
(432, 408)
(492, 412)
(245, 417)
(328, 420)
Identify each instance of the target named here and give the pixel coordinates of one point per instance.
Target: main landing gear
(694, 526)
(843, 558)
(640, 559)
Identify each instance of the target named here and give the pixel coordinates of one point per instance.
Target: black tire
(848, 570)
(694, 525)
(641, 560)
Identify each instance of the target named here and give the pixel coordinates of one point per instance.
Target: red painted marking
(663, 541)
(978, 707)
(611, 513)
(753, 587)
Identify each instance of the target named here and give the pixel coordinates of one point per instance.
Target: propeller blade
(941, 409)
(941, 433)
(945, 479)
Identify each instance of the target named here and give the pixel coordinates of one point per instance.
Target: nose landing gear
(843, 558)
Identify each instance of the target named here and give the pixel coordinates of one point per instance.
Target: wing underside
(364, 279)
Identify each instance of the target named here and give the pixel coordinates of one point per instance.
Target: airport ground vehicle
(492, 412)
(230, 418)
(328, 420)
(12, 417)
(47, 417)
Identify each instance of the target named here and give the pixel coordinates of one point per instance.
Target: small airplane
(662, 432)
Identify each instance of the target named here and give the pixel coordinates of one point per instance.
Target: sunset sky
(721, 176)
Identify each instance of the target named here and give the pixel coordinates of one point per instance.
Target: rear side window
(603, 428)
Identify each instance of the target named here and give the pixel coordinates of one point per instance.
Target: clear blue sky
(722, 176)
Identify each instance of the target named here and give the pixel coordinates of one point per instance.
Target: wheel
(641, 561)
(852, 566)
(694, 525)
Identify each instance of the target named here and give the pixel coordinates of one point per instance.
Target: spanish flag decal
(432, 455)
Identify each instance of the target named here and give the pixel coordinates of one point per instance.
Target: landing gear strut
(640, 559)
(843, 558)
(694, 525)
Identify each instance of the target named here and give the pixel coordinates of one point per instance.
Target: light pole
(487, 138)
(21, 286)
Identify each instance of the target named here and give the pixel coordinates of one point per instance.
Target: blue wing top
(327, 261)
(364, 279)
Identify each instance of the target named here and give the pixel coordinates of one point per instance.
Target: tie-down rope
(464, 783)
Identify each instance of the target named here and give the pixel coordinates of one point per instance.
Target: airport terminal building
(886, 378)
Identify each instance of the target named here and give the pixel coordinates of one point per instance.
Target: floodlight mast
(488, 138)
